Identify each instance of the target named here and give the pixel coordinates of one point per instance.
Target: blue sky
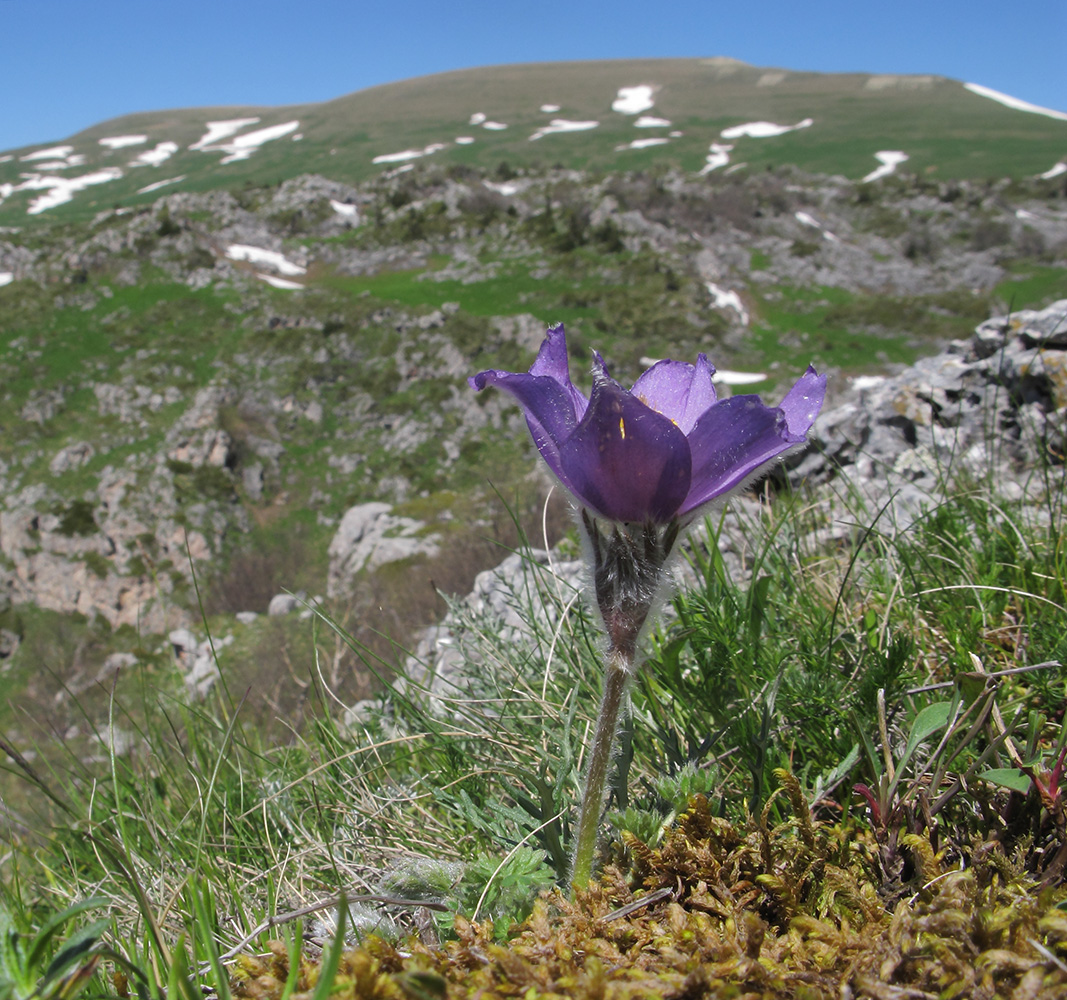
(69, 64)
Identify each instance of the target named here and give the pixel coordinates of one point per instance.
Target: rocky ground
(194, 426)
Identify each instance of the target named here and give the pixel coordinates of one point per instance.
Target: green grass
(1032, 285)
(789, 682)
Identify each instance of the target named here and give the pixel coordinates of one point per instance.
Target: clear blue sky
(68, 64)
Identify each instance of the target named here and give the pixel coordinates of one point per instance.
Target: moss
(98, 564)
(792, 911)
(76, 519)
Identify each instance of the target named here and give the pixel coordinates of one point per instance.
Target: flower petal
(552, 361)
(802, 403)
(680, 391)
(548, 406)
(625, 461)
(731, 443)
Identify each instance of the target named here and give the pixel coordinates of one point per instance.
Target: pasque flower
(641, 465)
(662, 451)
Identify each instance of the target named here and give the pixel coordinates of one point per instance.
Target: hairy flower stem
(628, 563)
(619, 669)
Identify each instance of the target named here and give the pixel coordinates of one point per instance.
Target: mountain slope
(602, 116)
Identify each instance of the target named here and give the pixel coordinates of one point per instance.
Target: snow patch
(52, 153)
(718, 156)
(651, 121)
(477, 118)
(632, 100)
(641, 144)
(1059, 168)
(409, 154)
(1014, 102)
(243, 146)
(723, 299)
(63, 159)
(890, 160)
(155, 157)
(6, 277)
(279, 282)
(506, 188)
(148, 188)
(343, 208)
(809, 220)
(549, 109)
(494, 126)
(270, 258)
(464, 140)
(122, 141)
(60, 190)
(724, 376)
(762, 130)
(562, 125)
(222, 130)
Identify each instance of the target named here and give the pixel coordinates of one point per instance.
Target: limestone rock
(369, 536)
(198, 660)
(282, 604)
(997, 398)
(518, 601)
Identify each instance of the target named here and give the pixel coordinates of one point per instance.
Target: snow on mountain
(1014, 102)
(122, 141)
(632, 100)
(762, 130)
(269, 258)
(241, 147)
(155, 157)
(718, 156)
(890, 160)
(641, 144)
(148, 188)
(409, 154)
(217, 131)
(563, 125)
(60, 190)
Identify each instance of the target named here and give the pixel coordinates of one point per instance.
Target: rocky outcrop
(369, 536)
(516, 603)
(994, 406)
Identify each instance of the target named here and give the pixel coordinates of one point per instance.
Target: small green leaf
(928, 721)
(1007, 777)
(75, 949)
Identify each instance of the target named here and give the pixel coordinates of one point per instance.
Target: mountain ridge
(676, 113)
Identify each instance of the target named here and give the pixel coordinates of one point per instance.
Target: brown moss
(787, 912)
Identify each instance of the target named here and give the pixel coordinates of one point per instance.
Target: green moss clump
(77, 519)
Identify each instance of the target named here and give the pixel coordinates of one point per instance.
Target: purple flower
(662, 451)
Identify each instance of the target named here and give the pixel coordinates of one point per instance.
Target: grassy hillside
(946, 131)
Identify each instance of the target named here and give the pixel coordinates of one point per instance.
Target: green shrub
(76, 519)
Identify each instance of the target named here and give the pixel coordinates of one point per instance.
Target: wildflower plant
(641, 466)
